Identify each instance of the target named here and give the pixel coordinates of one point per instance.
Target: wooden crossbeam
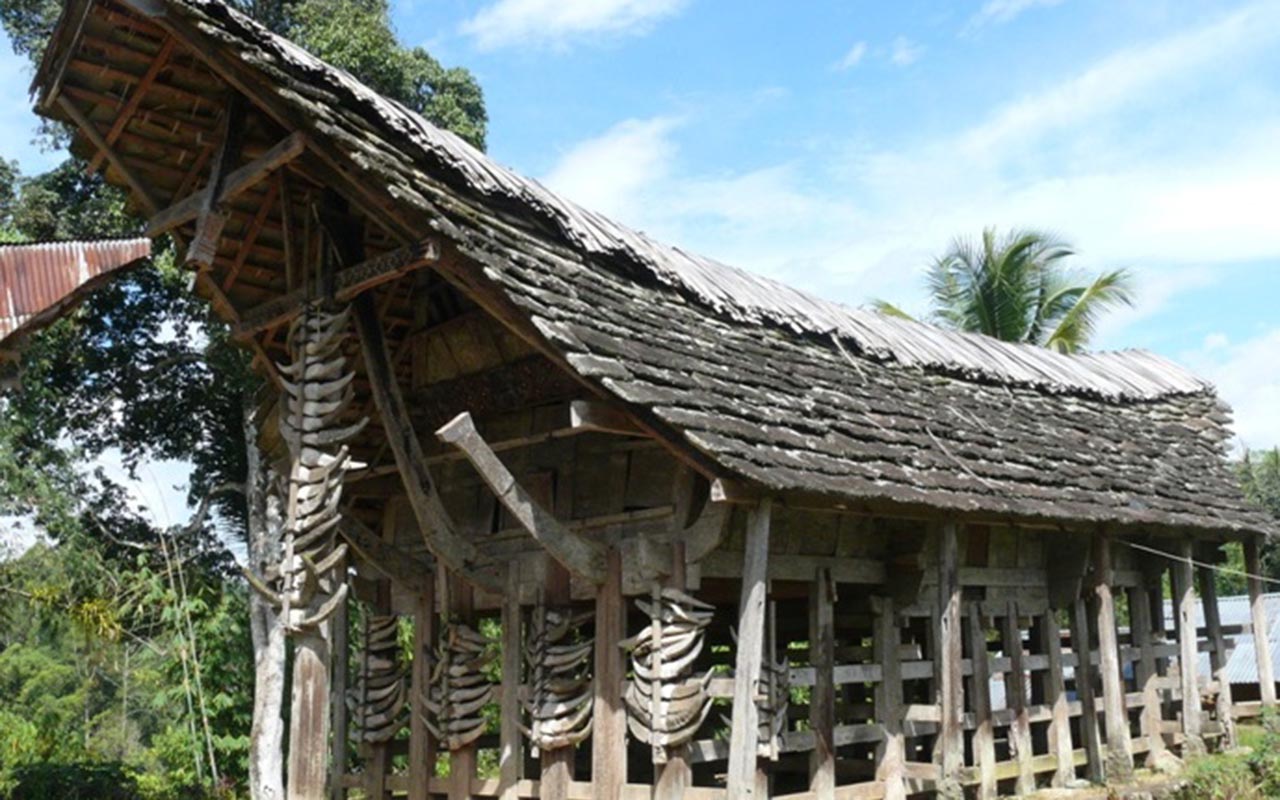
(135, 100)
(213, 215)
(90, 130)
(251, 236)
(401, 567)
(348, 283)
(579, 555)
(235, 183)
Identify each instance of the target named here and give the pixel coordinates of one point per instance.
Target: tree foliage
(1017, 288)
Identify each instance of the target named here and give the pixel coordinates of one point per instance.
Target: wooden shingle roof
(765, 383)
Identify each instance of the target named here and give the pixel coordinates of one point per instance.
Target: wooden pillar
(510, 745)
(1218, 655)
(822, 702)
(1188, 650)
(745, 732)
(1257, 608)
(674, 775)
(1119, 768)
(422, 756)
(556, 765)
(609, 729)
(462, 762)
(1056, 697)
(337, 698)
(891, 755)
(1145, 671)
(984, 737)
(1015, 689)
(309, 717)
(948, 664)
(1086, 691)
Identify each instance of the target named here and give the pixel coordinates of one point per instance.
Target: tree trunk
(266, 737)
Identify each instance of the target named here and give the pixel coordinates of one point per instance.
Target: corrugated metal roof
(1242, 664)
(40, 281)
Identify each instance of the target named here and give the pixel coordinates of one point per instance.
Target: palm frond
(890, 310)
(1108, 290)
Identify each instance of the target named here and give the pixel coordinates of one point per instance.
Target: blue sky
(837, 145)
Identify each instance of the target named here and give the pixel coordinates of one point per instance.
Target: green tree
(1260, 480)
(1017, 288)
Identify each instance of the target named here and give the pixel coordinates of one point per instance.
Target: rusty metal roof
(39, 282)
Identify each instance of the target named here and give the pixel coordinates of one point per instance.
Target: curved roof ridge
(743, 295)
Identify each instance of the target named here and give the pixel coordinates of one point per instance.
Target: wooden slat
(1258, 613)
(950, 662)
(158, 63)
(609, 729)
(891, 754)
(1218, 655)
(984, 743)
(1119, 767)
(251, 236)
(1015, 688)
(1188, 659)
(1055, 696)
(87, 127)
(1086, 690)
(822, 703)
(1145, 671)
(744, 734)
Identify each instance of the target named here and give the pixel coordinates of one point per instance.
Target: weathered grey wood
(338, 700)
(82, 121)
(556, 765)
(1218, 653)
(984, 740)
(1258, 611)
(609, 729)
(1015, 688)
(601, 417)
(309, 716)
(462, 761)
(437, 528)
(1086, 691)
(510, 752)
(891, 754)
(211, 216)
(1188, 649)
(1119, 767)
(376, 756)
(744, 735)
(1066, 564)
(950, 660)
(422, 760)
(406, 569)
(236, 182)
(579, 555)
(822, 702)
(1055, 696)
(348, 283)
(1145, 672)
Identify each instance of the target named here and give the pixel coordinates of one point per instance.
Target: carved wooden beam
(437, 528)
(213, 215)
(236, 182)
(581, 556)
(599, 417)
(348, 283)
(404, 568)
(135, 99)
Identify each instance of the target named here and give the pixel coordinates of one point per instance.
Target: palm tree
(1016, 288)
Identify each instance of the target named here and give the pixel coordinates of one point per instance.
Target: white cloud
(1247, 375)
(556, 23)
(1001, 11)
(610, 172)
(904, 52)
(852, 58)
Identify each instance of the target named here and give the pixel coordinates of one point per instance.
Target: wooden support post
(1086, 691)
(462, 762)
(609, 729)
(1258, 610)
(891, 754)
(822, 701)
(309, 716)
(1056, 697)
(1119, 768)
(511, 749)
(1145, 671)
(338, 699)
(422, 752)
(745, 732)
(1188, 650)
(556, 765)
(376, 755)
(1015, 691)
(984, 737)
(1218, 655)
(948, 664)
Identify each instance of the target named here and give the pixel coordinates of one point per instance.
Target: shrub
(44, 780)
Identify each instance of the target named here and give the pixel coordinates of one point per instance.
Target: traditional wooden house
(663, 528)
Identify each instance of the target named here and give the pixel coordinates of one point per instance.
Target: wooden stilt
(1086, 691)
(1218, 655)
(462, 762)
(1257, 608)
(556, 765)
(949, 664)
(822, 703)
(674, 775)
(609, 730)
(511, 751)
(1188, 650)
(1119, 767)
(422, 757)
(1145, 671)
(984, 738)
(744, 735)
(1015, 689)
(1055, 695)
(338, 700)
(891, 754)
(309, 718)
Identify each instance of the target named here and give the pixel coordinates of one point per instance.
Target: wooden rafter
(579, 555)
(95, 136)
(213, 214)
(251, 236)
(135, 99)
(236, 182)
(405, 568)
